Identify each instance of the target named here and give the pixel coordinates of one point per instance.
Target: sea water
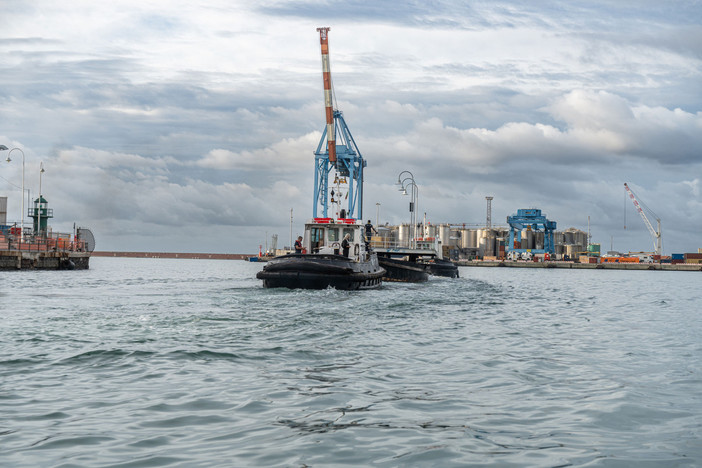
(191, 363)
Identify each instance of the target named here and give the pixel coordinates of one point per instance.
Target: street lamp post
(4, 148)
(413, 203)
(414, 196)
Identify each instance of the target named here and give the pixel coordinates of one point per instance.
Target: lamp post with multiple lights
(413, 202)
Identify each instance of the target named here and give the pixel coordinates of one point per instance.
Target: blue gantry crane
(529, 219)
(348, 169)
(342, 156)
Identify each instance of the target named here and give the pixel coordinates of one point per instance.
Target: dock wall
(18, 260)
(583, 266)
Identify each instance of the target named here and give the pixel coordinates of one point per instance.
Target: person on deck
(369, 232)
(345, 245)
(298, 245)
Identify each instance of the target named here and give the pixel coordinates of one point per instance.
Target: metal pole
(22, 221)
(41, 171)
(377, 215)
(414, 215)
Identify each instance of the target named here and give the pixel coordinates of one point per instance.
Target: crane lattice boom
(657, 239)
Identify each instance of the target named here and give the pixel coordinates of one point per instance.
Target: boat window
(349, 231)
(316, 237)
(333, 235)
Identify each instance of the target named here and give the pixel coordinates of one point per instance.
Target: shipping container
(587, 259)
(677, 256)
(693, 256)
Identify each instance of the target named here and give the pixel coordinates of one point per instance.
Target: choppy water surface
(147, 362)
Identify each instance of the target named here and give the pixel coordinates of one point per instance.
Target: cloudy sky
(190, 126)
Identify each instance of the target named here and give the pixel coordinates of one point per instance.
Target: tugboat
(403, 270)
(441, 267)
(329, 258)
(415, 264)
(325, 265)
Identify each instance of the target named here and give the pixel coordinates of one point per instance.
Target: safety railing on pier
(11, 239)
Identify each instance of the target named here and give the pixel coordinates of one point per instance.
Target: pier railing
(11, 239)
(428, 243)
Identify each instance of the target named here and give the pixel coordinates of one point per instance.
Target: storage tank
(3, 210)
(568, 238)
(403, 234)
(468, 239)
(539, 240)
(429, 231)
(527, 239)
(558, 238)
(444, 234)
(581, 239)
(473, 237)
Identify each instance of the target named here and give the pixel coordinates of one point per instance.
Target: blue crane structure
(349, 166)
(530, 219)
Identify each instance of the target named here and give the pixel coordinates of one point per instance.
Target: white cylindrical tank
(403, 234)
(444, 234)
(430, 230)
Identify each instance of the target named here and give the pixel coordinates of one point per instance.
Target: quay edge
(60, 260)
(582, 266)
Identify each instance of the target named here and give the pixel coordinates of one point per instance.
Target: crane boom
(337, 150)
(656, 235)
(328, 106)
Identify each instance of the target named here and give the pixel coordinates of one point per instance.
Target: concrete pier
(61, 260)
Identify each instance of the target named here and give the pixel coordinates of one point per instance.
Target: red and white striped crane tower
(337, 151)
(328, 106)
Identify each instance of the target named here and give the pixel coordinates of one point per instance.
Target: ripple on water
(201, 366)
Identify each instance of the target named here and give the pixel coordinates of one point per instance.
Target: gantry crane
(531, 219)
(657, 239)
(343, 156)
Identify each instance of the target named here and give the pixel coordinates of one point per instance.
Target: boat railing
(383, 243)
(12, 239)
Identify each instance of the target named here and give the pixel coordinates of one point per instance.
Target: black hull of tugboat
(442, 268)
(312, 271)
(403, 270)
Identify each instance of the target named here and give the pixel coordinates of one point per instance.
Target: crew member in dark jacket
(369, 232)
(298, 245)
(345, 245)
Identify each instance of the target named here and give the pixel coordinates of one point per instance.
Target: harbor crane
(656, 235)
(531, 219)
(340, 153)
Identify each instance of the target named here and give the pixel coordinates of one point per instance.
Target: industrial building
(460, 242)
